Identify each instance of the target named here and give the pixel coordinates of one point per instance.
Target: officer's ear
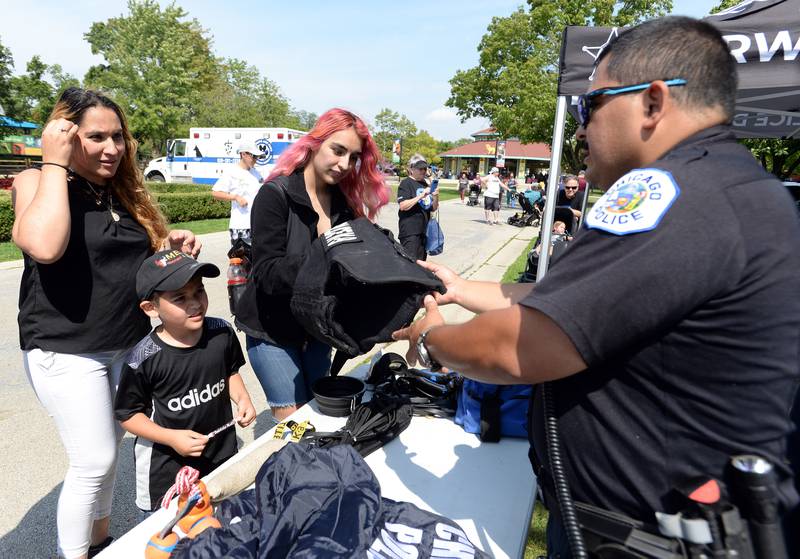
(656, 100)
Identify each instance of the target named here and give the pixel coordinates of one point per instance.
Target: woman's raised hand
(57, 139)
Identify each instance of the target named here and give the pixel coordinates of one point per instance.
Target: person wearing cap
(176, 383)
(416, 204)
(239, 185)
(84, 222)
(491, 200)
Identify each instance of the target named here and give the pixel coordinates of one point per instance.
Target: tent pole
(552, 187)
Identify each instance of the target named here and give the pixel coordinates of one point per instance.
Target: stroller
(531, 213)
(474, 192)
(558, 246)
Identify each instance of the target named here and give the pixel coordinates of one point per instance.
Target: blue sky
(363, 56)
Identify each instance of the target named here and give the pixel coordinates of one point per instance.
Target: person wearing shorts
(491, 199)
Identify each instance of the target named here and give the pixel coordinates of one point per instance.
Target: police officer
(670, 327)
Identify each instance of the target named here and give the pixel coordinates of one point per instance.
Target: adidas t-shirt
(179, 388)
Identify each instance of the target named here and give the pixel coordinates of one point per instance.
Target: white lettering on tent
(738, 52)
(782, 41)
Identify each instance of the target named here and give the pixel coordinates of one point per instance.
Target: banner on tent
(764, 38)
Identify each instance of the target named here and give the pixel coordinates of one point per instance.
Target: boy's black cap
(169, 270)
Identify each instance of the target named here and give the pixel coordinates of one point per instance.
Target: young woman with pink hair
(327, 177)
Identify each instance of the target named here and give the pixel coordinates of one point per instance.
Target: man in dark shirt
(667, 355)
(571, 198)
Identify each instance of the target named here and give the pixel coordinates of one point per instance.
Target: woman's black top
(283, 225)
(86, 301)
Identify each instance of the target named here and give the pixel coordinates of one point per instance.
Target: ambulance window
(180, 148)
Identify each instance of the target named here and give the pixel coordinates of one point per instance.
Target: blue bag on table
(492, 410)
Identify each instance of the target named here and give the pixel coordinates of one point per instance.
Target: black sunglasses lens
(583, 110)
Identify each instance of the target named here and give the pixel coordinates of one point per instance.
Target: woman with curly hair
(84, 223)
(327, 177)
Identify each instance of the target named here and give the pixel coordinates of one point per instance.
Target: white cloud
(442, 114)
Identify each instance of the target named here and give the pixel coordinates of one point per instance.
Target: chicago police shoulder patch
(635, 203)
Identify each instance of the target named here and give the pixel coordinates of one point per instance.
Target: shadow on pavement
(35, 535)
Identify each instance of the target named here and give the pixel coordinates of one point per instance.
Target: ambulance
(204, 156)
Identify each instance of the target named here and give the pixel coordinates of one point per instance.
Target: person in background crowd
(240, 184)
(654, 402)
(511, 192)
(84, 222)
(327, 177)
(491, 199)
(416, 202)
(582, 180)
(463, 186)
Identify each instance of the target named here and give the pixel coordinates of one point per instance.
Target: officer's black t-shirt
(86, 301)
(179, 388)
(415, 220)
(689, 331)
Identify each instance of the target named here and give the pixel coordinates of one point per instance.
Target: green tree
(6, 67)
(305, 119)
(32, 95)
(239, 96)
(157, 64)
(514, 84)
(389, 126)
(778, 156)
(423, 143)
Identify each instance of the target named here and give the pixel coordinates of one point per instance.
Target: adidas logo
(195, 398)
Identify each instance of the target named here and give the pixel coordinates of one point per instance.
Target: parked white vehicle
(204, 156)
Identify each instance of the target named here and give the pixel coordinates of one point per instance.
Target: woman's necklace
(98, 199)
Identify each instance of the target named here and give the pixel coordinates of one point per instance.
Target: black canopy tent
(764, 38)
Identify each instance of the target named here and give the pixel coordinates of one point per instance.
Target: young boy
(176, 382)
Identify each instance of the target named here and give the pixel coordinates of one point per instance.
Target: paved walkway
(32, 459)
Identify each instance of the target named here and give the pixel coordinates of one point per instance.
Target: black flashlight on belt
(754, 479)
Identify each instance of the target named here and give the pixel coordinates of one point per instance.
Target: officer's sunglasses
(587, 101)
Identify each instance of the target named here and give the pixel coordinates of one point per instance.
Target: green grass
(536, 544)
(9, 251)
(515, 270)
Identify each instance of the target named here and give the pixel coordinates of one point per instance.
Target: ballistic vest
(357, 286)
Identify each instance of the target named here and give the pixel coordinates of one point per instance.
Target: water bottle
(237, 280)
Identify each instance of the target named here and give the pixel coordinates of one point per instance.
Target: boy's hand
(187, 442)
(246, 411)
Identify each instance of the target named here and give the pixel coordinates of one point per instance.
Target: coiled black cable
(569, 517)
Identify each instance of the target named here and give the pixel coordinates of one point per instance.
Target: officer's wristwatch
(424, 355)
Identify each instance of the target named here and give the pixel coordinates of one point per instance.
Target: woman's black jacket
(283, 225)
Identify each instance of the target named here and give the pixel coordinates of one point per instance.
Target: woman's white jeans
(78, 393)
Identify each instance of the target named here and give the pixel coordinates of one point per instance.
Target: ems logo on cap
(635, 203)
(342, 233)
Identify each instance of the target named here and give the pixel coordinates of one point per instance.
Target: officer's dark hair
(568, 178)
(676, 47)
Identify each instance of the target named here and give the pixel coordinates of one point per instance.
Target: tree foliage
(239, 96)
(6, 67)
(32, 95)
(156, 64)
(514, 83)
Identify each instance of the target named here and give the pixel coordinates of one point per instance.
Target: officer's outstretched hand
(411, 333)
(451, 280)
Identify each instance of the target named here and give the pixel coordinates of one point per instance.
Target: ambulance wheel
(155, 177)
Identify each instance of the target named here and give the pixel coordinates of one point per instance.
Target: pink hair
(361, 187)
